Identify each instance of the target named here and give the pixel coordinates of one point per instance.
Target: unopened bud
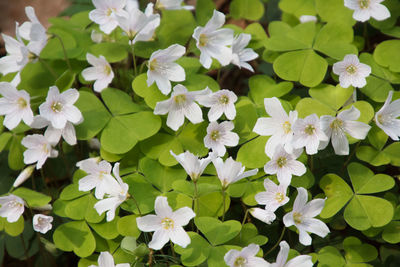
(24, 175)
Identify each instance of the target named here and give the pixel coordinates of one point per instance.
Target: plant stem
(277, 243)
(137, 204)
(134, 62)
(172, 249)
(47, 66)
(223, 201)
(218, 75)
(351, 155)
(245, 217)
(195, 198)
(311, 162)
(64, 51)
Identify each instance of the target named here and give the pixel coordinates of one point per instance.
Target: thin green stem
(195, 198)
(218, 75)
(137, 204)
(350, 156)
(311, 162)
(245, 216)
(172, 249)
(223, 201)
(64, 51)
(277, 243)
(134, 62)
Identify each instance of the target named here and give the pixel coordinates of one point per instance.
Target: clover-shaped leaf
(217, 232)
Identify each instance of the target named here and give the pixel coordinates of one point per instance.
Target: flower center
(22, 103)
(279, 197)
(179, 99)
(109, 12)
(56, 106)
(45, 149)
(309, 129)
(215, 135)
(297, 217)
(31, 56)
(364, 3)
(153, 64)
(281, 162)
(240, 262)
(203, 39)
(351, 69)
(336, 124)
(287, 127)
(107, 70)
(159, 5)
(167, 223)
(224, 99)
(14, 204)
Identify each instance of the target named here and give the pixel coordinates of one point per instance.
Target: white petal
(379, 12)
(340, 143)
(149, 223)
(162, 208)
(315, 226)
(304, 238)
(300, 200)
(193, 113)
(300, 261)
(179, 237)
(175, 119)
(160, 238)
(183, 215)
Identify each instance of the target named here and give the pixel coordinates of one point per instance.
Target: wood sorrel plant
(163, 134)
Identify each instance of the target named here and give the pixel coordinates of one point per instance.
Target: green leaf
(173, 31)
(377, 138)
(4, 138)
(113, 52)
(304, 66)
(211, 204)
(192, 138)
(372, 156)
(204, 11)
(366, 110)
(285, 38)
(393, 152)
(196, 82)
(127, 226)
(252, 154)
(246, 117)
(160, 176)
(249, 234)
(330, 257)
(258, 35)
(32, 198)
(380, 71)
(332, 96)
(15, 228)
(356, 251)
(95, 116)
(334, 11)
(75, 236)
(334, 40)
(190, 64)
(365, 211)
(308, 106)
(151, 94)
(71, 191)
(387, 54)
(122, 132)
(15, 155)
(159, 146)
(376, 88)
(247, 9)
(217, 232)
(107, 230)
(365, 182)
(83, 209)
(307, 180)
(54, 49)
(119, 102)
(338, 193)
(66, 80)
(196, 252)
(298, 7)
(391, 232)
(263, 86)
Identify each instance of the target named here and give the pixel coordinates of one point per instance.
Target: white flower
(15, 105)
(213, 42)
(307, 18)
(59, 108)
(172, 5)
(386, 117)
(101, 72)
(240, 54)
(279, 126)
(181, 105)
(12, 207)
(193, 166)
(337, 127)
(42, 223)
(163, 69)
(53, 135)
(99, 176)
(24, 175)
(351, 71)
(117, 193)
(38, 150)
(308, 133)
(231, 171)
(273, 197)
(245, 258)
(17, 58)
(365, 9)
(263, 215)
(106, 12)
(220, 135)
(284, 165)
(166, 224)
(137, 25)
(302, 216)
(34, 32)
(219, 103)
(106, 260)
(298, 261)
